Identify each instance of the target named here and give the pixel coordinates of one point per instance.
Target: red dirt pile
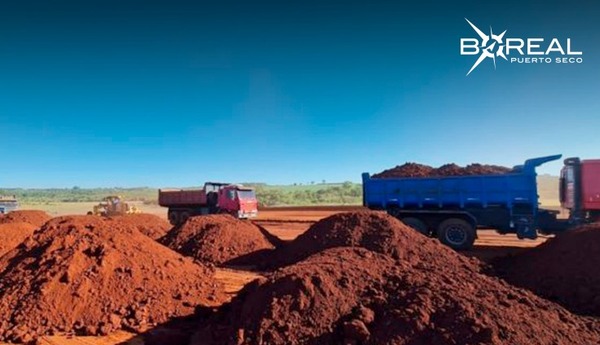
(12, 234)
(216, 239)
(564, 269)
(376, 231)
(34, 217)
(89, 275)
(419, 170)
(148, 224)
(356, 296)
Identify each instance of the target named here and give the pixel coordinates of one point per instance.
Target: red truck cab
(580, 188)
(238, 201)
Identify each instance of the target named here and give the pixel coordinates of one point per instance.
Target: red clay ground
(565, 269)
(88, 275)
(150, 225)
(216, 239)
(34, 217)
(351, 295)
(12, 234)
(288, 223)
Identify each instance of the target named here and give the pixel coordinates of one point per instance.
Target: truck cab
(237, 200)
(579, 189)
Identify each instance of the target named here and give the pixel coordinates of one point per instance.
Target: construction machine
(113, 205)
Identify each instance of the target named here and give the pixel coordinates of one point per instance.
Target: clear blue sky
(173, 93)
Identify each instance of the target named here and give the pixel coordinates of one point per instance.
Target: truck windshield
(246, 194)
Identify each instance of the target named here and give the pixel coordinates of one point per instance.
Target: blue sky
(173, 93)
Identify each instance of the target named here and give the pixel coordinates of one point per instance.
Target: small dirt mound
(376, 231)
(148, 224)
(12, 234)
(564, 269)
(34, 217)
(89, 275)
(216, 239)
(356, 296)
(420, 170)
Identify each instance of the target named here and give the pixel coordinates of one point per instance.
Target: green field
(81, 199)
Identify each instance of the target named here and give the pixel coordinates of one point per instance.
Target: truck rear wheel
(456, 233)
(183, 216)
(174, 218)
(416, 224)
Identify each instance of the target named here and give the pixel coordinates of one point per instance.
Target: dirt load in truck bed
(420, 170)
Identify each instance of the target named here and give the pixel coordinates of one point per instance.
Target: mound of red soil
(376, 231)
(89, 275)
(34, 217)
(148, 224)
(356, 296)
(419, 170)
(12, 234)
(216, 239)
(564, 269)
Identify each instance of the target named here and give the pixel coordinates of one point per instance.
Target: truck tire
(416, 224)
(456, 233)
(174, 218)
(183, 216)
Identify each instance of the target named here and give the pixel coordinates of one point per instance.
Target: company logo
(517, 50)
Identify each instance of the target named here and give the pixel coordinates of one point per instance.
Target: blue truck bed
(499, 201)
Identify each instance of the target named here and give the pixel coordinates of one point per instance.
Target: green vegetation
(76, 194)
(346, 193)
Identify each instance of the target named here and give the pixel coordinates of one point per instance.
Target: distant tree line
(346, 193)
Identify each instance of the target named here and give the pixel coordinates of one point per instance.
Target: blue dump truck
(453, 208)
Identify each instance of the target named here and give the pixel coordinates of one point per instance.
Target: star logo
(491, 46)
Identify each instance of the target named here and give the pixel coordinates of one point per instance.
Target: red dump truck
(215, 197)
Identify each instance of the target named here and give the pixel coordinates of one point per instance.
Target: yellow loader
(113, 205)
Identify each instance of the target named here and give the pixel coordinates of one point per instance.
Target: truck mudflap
(525, 228)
